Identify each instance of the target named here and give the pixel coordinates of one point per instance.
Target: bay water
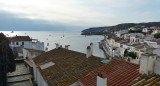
(76, 41)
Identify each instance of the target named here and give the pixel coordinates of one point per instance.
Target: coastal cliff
(124, 26)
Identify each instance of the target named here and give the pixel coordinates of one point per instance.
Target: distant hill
(102, 30)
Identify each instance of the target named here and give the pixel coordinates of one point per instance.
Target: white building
(18, 41)
(31, 53)
(153, 30)
(28, 55)
(132, 28)
(154, 43)
(119, 33)
(26, 42)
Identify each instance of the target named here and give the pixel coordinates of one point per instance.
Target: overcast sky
(74, 14)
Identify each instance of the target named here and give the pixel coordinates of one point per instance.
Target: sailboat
(12, 31)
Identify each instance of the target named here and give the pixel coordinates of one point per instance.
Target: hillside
(103, 30)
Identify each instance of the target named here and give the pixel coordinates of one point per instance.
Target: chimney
(89, 53)
(147, 62)
(46, 49)
(66, 46)
(101, 81)
(57, 45)
(91, 45)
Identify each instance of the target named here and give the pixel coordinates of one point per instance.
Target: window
(16, 43)
(22, 43)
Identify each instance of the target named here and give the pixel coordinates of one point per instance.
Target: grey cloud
(9, 21)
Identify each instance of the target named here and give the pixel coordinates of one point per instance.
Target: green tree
(135, 31)
(125, 52)
(132, 54)
(7, 63)
(157, 35)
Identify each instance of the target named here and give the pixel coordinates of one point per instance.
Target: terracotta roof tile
(125, 42)
(69, 67)
(144, 80)
(29, 63)
(153, 28)
(34, 50)
(117, 72)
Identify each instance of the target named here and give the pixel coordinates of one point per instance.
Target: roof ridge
(125, 61)
(74, 51)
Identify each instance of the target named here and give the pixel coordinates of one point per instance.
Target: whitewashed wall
(35, 72)
(27, 44)
(40, 80)
(38, 45)
(157, 67)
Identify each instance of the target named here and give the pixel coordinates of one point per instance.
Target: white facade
(147, 64)
(119, 33)
(38, 45)
(154, 30)
(40, 80)
(25, 44)
(132, 28)
(101, 81)
(35, 72)
(28, 44)
(156, 51)
(30, 54)
(157, 67)
(145, 30)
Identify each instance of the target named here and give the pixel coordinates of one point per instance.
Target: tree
(132, 54)
(7, 63)
(125, 52)
(157, 35)
(135, 31)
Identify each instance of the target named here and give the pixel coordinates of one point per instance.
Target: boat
(12, 31)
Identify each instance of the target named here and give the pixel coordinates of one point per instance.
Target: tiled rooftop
(158, 41)
(153, 28)
(33, 50)
(29, 63)
(144, 80)
(117, 72)
(136, 45)
(69, 67)
(20, 38)
(124, 42)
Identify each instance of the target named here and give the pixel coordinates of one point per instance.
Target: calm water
(76, 41)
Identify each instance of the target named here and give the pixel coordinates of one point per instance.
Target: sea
(76, 41)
